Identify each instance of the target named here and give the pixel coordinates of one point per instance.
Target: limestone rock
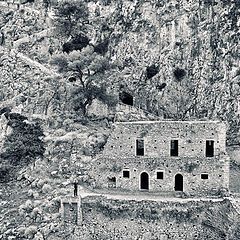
(38, 236)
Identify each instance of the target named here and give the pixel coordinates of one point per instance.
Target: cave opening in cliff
(72, 79)
(126, 98)
(77, 43)
(179, 74)
(152, 70)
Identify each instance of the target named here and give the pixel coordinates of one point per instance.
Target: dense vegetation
(22, 146)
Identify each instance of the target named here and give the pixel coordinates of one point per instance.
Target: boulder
(38, 236)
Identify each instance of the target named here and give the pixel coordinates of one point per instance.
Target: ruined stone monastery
(165, 156)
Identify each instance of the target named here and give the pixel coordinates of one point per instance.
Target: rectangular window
(160, 175)
(140, 147)
(174, 148)
(126, 173)
(209, 148)
(204, 176)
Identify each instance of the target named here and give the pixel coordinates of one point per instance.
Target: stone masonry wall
(189, 168)
(157, 135)
(71, 210)
(119, 154)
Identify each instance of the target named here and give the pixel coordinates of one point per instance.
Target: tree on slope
(90, 72)
(70, 16)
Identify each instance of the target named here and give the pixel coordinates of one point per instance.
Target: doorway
(144, 181)
(178, 182)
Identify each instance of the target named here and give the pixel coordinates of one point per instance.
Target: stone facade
(196, 168)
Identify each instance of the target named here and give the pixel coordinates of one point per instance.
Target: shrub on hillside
(30, 232)
(24, 144)
(102, 48)
(5, 171)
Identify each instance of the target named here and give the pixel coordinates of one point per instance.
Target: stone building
(165, 156)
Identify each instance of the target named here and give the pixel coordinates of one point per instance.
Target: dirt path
(146, 196)
(36, 64)
(31, 62)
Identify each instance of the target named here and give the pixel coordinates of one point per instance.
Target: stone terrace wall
(114, 219)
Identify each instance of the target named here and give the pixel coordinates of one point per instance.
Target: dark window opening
(178, 182)
(144, 181)
(113, 179)
(174, 148)
(112, 182)
(126, 98)
(209, 148)
(159, 175)
(140, 147)
(204, 176)
(126, 173)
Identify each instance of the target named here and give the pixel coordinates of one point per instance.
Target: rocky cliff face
(178, 58)
(193, 45)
